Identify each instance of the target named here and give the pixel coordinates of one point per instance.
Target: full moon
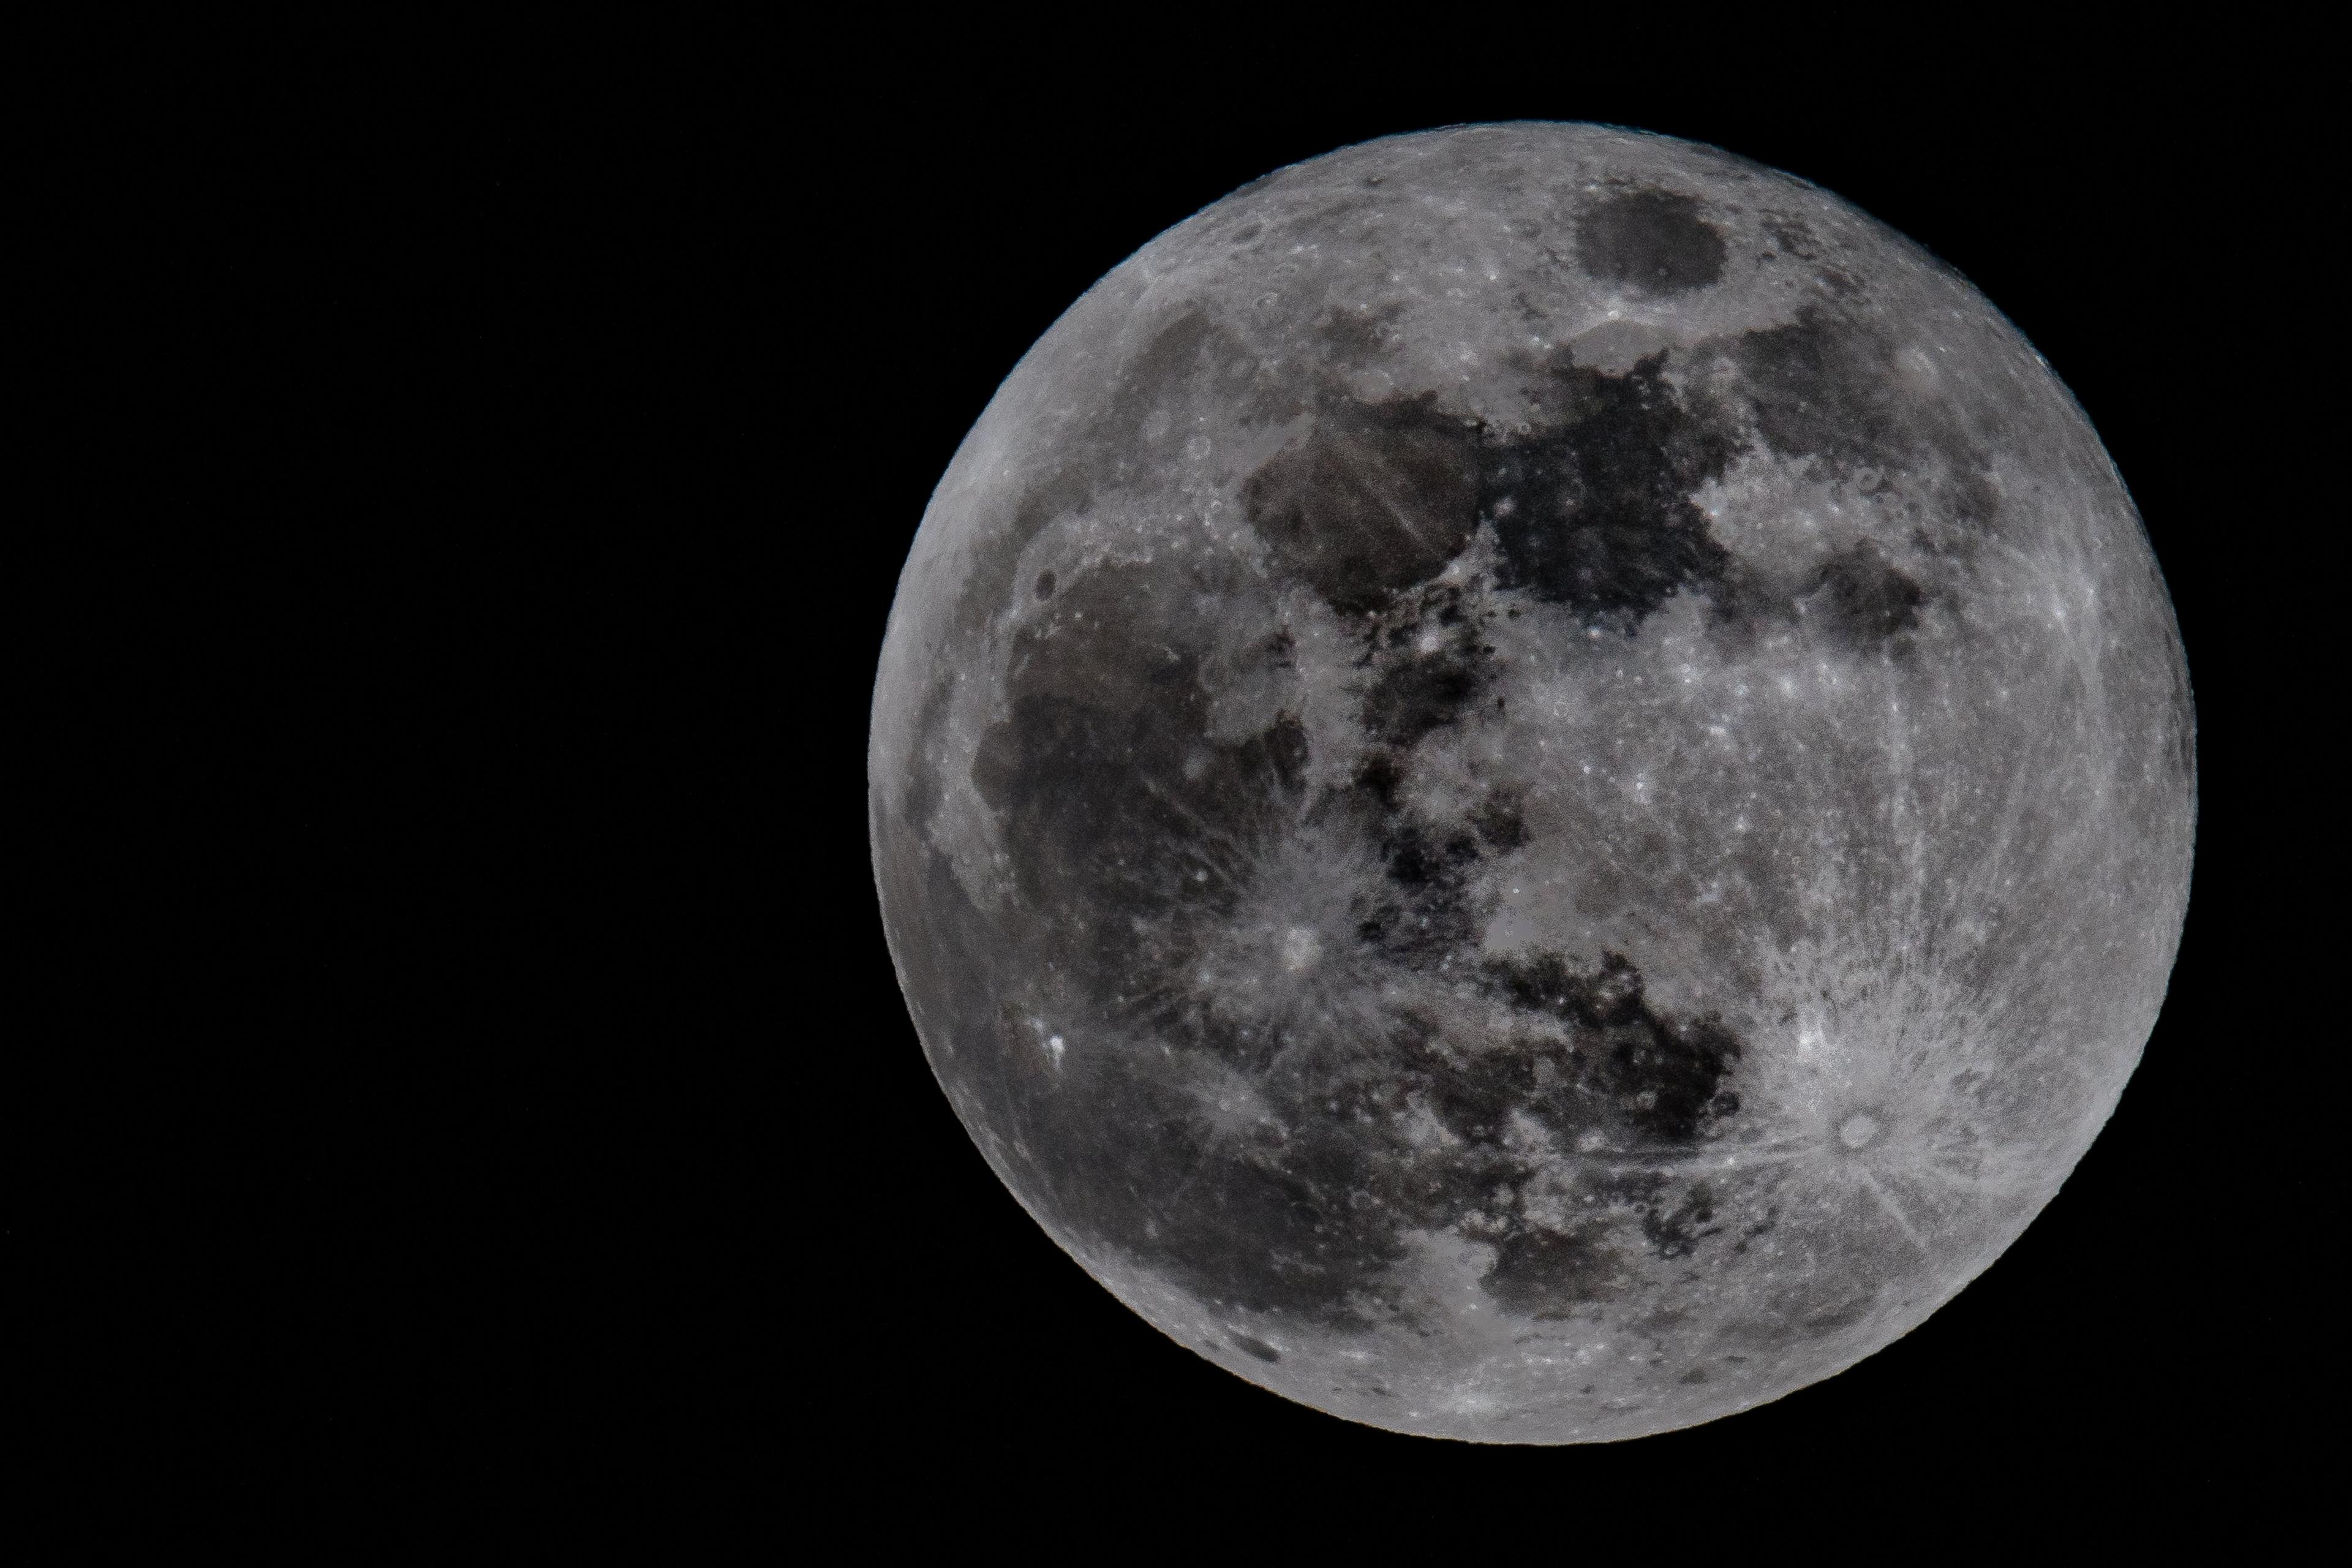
(1532, 784)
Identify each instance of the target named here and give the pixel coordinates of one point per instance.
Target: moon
(1532, 784)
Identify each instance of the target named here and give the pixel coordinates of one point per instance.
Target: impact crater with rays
(1532, 784)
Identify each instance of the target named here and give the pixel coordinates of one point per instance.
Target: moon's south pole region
(1532, 784)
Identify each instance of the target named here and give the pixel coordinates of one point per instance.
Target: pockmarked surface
(1532, 784)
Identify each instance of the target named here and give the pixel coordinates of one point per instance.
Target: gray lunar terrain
(1532, 784)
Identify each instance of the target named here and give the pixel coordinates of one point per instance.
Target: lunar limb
(1532, 784)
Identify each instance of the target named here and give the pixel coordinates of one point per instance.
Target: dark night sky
(507, 1065)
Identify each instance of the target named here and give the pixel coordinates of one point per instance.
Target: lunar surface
(1531, 784)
